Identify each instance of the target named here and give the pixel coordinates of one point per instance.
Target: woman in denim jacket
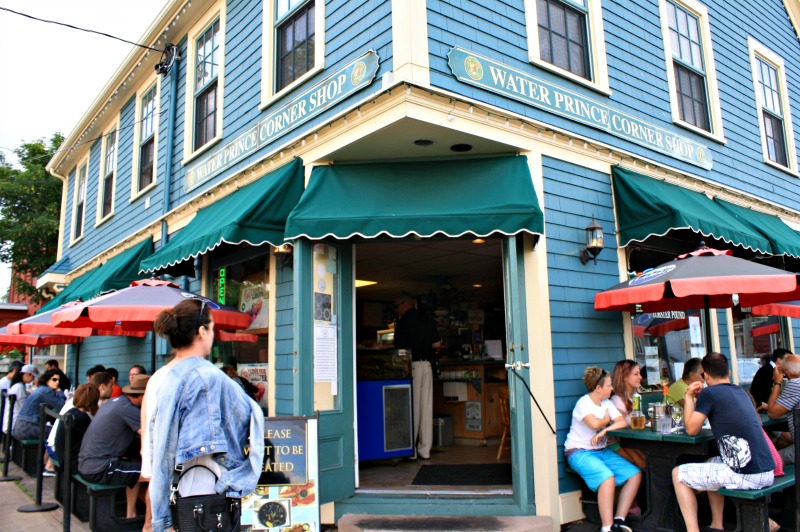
(196, 415)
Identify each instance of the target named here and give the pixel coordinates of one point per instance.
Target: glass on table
(677, 415)
(637, 420)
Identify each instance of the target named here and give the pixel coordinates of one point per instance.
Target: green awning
(255, 214)
(475, 196)
(783, 239)
(117, 272)
(648, 207)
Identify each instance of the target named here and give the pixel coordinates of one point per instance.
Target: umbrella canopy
(705, 278)
(789, 309)
(35, 340)
(135, 308)
(660, 323)
(39, 324)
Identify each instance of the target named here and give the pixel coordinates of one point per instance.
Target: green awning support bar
(452, 198)
(118, 272)
(648, 207)
(255, 214)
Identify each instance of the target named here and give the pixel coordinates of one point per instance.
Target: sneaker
(47, 473)
(620, 526)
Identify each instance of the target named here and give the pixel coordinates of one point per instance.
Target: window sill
(269, 100)
(137, 195)
(702, 132)
(200, 151)
(791, 171)
(601, 88)
(104, 220)
(77, 240)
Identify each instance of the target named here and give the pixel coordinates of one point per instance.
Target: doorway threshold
(436, 494)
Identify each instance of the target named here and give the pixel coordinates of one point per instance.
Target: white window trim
(756, 49)
(597, 47)
(84, 161)
(268, 63)
(101, 178)
(152, 81)
(214, 13)
(717, 132)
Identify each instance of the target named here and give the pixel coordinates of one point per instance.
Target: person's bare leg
(717, 503)
(148, 515)
(627, 494)
(605, 501)
(687, 500)
(131, 496)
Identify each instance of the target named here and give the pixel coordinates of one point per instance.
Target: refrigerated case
(383, 385)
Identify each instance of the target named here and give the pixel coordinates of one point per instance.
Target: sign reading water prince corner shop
(315, 100)
(488, 74)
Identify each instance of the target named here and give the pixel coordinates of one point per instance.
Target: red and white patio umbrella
(705, 278)
(35, 340)
(135, 308)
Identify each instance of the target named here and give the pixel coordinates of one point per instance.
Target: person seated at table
(26, 425)
(85, 404)
(19, 389)
(781, 403)
(762, 380)
(64, 384)
(114, 374)
(110, 449)
(587, 453)
(13, 368)
(94, 369)
(626, 379)
(691, 373)
(744, 463)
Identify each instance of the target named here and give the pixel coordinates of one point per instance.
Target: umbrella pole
(152, 352)
(77, 361)
(707, 328)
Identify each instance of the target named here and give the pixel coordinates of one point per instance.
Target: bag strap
(177, 473)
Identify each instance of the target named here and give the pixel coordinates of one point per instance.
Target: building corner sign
(488, 74)
(322, 96)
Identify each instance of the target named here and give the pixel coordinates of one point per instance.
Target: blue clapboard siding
(283, 358)
(581, 336)
(637, 72)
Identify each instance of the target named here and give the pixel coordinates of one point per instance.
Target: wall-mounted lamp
(283, 254)
(594, 242)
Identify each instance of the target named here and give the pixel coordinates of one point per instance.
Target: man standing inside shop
(417, 331)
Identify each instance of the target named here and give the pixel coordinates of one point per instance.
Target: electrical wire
(80, 29)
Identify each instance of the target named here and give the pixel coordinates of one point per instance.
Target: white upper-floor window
(108, 172)
(147, 140)
(566, 37)
(79, 199)
(293, 44)
(691, 74)
(772, 101)
(205, 86)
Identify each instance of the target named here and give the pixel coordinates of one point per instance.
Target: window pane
(108, 189)
(776, 143)
(692, 101)
(295, 50)
(206, 116)
(664, 341)
(563, 37)
(755, 337)
(146, 164)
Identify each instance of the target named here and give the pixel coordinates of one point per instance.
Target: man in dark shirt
(110, 449)
(762, 380)
(417, 332)
(745, 461)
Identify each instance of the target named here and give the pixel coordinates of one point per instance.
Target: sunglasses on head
(203, 304)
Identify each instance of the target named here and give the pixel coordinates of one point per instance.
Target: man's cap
(15, 364)
(30, 368)
(137, 386)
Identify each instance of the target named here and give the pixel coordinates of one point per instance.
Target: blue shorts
(597, 466)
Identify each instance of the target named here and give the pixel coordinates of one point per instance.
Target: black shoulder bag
(203, 513)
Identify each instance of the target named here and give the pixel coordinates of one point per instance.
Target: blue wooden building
(456, 151)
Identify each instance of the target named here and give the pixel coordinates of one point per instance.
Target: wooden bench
(97, 503)
(752, 506)
(25, 454)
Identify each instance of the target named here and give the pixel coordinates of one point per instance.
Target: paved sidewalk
(22, 492)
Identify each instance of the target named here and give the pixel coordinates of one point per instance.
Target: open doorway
(459, 284)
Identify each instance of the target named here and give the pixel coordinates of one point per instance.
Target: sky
(50, 75)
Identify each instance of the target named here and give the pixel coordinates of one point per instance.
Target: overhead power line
(80, 29)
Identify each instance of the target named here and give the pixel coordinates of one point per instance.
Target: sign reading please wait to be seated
(322, 96)
(474, 69)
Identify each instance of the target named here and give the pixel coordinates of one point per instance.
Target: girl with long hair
(626, 379)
